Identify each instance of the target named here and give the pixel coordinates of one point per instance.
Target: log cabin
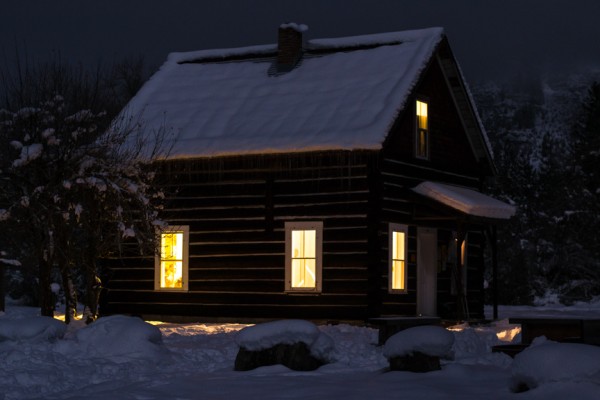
(325, 179)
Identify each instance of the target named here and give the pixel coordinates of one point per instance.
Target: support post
(462, 302)
(494, 240)
(2, 294)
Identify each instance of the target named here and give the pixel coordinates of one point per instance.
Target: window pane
(304, 244)
(398, 246)
(297, 244)
(310, 242)
(422, 115)
(171, 274)
(310, 276)
(398, 275)
(172, 246)
(303, 273)
(423, 143)
(297, 280)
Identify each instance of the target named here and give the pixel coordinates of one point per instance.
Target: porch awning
(466, 200)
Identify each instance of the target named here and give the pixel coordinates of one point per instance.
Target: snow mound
(430, 340)
(269, 334)
(32, 329)
(551, 362)
(121, 338)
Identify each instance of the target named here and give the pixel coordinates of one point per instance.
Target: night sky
(491, 39)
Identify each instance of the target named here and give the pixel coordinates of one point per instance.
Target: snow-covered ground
(125, 358)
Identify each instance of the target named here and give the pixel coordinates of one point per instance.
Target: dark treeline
(546, 139)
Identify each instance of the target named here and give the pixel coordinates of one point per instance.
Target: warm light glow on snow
(61, 316)
(304, 260)
(504, 331)
(509, 334)
(171, 260)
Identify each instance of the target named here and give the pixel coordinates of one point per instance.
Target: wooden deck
(562, 329)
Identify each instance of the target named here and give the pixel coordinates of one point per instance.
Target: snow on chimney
(289, 45)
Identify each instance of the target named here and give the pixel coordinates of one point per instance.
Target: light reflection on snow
(190, 329)
(509, 334)
(504, 331)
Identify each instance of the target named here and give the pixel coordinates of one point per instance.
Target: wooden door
(426, 271)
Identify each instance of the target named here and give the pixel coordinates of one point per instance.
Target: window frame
(185, 229)
(418, 130)
(317, 226)
(394, 227)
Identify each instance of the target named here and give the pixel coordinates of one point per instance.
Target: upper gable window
(422, 130)
(303, 253)
(171, 265)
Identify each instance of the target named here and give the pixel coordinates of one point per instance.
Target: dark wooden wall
(236, 208)
(451, 161)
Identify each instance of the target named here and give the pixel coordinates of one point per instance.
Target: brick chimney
(289, 44)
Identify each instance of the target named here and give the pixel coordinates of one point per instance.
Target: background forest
(545, 133)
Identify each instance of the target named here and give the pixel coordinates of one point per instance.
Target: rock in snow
(418, 349)
(297, 344)
(428, 339)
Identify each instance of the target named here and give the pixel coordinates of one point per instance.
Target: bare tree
(73, 186)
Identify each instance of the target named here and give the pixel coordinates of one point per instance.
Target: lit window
(303, 252)
(422, 135)
(397, 258)
(171, 264)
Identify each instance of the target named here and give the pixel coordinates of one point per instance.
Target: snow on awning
(466, 200)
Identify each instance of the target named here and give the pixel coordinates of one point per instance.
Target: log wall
(236, 208)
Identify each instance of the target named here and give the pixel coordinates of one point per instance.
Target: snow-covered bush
(31, 329)
(120, 338)
(71, 193)
(551, 362)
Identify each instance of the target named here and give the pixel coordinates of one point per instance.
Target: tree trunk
(70, 296)
(2, 293)
(93, 288)
(47, 302)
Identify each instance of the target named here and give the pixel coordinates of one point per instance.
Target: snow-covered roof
(466, 200)
(344, 94)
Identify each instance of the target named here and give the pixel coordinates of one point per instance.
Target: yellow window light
(303, 271)
(422, 115)
(398, 261)
(171, 260)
